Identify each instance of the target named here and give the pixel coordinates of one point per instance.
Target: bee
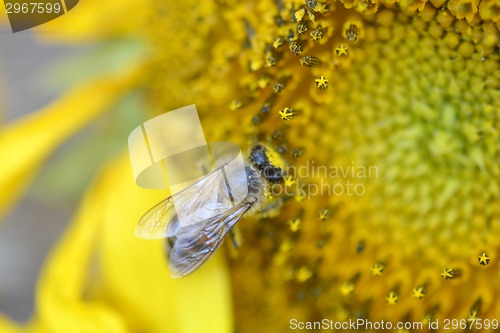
(189, 245)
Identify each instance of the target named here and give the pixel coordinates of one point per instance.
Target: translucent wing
(154, 223)
(209, 197)
(191, 245)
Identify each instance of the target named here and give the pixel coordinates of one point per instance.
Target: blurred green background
(33, 74)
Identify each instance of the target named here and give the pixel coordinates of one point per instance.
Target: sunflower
(391, 108)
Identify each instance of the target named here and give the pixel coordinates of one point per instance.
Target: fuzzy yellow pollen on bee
(267, 193)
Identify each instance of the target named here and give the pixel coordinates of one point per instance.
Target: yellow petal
(61, 304)
(127, 288)
(7, 327)
(25, 144)
(96, 20)
(4, 19)
(136, 277)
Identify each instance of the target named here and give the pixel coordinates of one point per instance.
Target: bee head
(268, 162)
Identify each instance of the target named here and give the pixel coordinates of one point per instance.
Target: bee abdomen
(260, 160)
(273, 174)
(254, 182)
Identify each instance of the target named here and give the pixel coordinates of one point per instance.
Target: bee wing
(192, 245)
(209, 197)
(154, 224)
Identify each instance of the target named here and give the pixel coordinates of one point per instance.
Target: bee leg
(233, 238)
